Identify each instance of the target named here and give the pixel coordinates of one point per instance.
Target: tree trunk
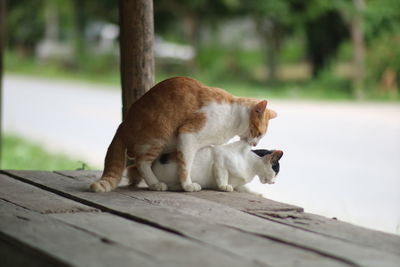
(2, 45)
(136, 49)
(79, 23)
(272, 52)
(51, 22)
(357, 36)
(271, 36)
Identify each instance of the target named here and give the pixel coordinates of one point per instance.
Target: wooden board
(214, 212)
(236, 242)
(175, 212)
(127, 232)
(63, 244)
(116, 230)
(138, 236)
(245, 202)
(154, 242)
(242, 201)
(14, 253)
(293, 216)
(335, 229)
(32, 198)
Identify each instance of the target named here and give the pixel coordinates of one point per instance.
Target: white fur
(226, 167)
(223, 121)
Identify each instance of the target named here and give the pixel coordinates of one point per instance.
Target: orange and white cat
(180, 114)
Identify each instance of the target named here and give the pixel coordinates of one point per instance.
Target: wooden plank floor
(51, 219)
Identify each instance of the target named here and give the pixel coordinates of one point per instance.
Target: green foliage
(293, 50)
(328, 85)
(25, 24)
(221, 64)
(19, 154)
(186, 21)
(383, 57)
(382, 17)
(382, 29)
(100, 69)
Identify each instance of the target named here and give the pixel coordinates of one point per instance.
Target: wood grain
(293, 216)
(140, 237)
(171, 249)
(249, 246)
(33, 198)
(179, 213)
(64, 244)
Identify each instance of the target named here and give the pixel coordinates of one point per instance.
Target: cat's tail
(114, 165)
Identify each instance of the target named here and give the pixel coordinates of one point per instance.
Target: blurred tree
(271, 19)
(324, 35)
(2, 43)
(325, 28)
(79, 21)
(25, 25)
(84, 12)
(382, 34)
(357, 36)
(52, 22)
(186, 18)
(382, 17)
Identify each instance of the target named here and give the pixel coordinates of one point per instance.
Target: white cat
(225, 167)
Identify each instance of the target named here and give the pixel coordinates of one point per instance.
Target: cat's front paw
(226, 188)
(158, 187)
(193, 187)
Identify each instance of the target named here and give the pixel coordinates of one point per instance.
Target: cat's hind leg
(133, 175)
(143, 164)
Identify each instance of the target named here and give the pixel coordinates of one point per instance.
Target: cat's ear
(277, 155)
(272, 114)
(274, 156)
(261, 106)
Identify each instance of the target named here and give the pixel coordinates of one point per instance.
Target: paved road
(341, 159)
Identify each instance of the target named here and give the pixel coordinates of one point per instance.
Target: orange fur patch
(194, 124)
(150, 154)
(181, 166)
(165, 108)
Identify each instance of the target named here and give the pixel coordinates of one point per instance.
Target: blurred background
(331, 69)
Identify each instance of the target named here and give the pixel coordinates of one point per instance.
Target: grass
(243, 76)
(20, 154)
(56, 70)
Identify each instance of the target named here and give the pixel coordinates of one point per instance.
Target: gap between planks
(157, 225)
(197, 252)
(235, 254)
(101, 205)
